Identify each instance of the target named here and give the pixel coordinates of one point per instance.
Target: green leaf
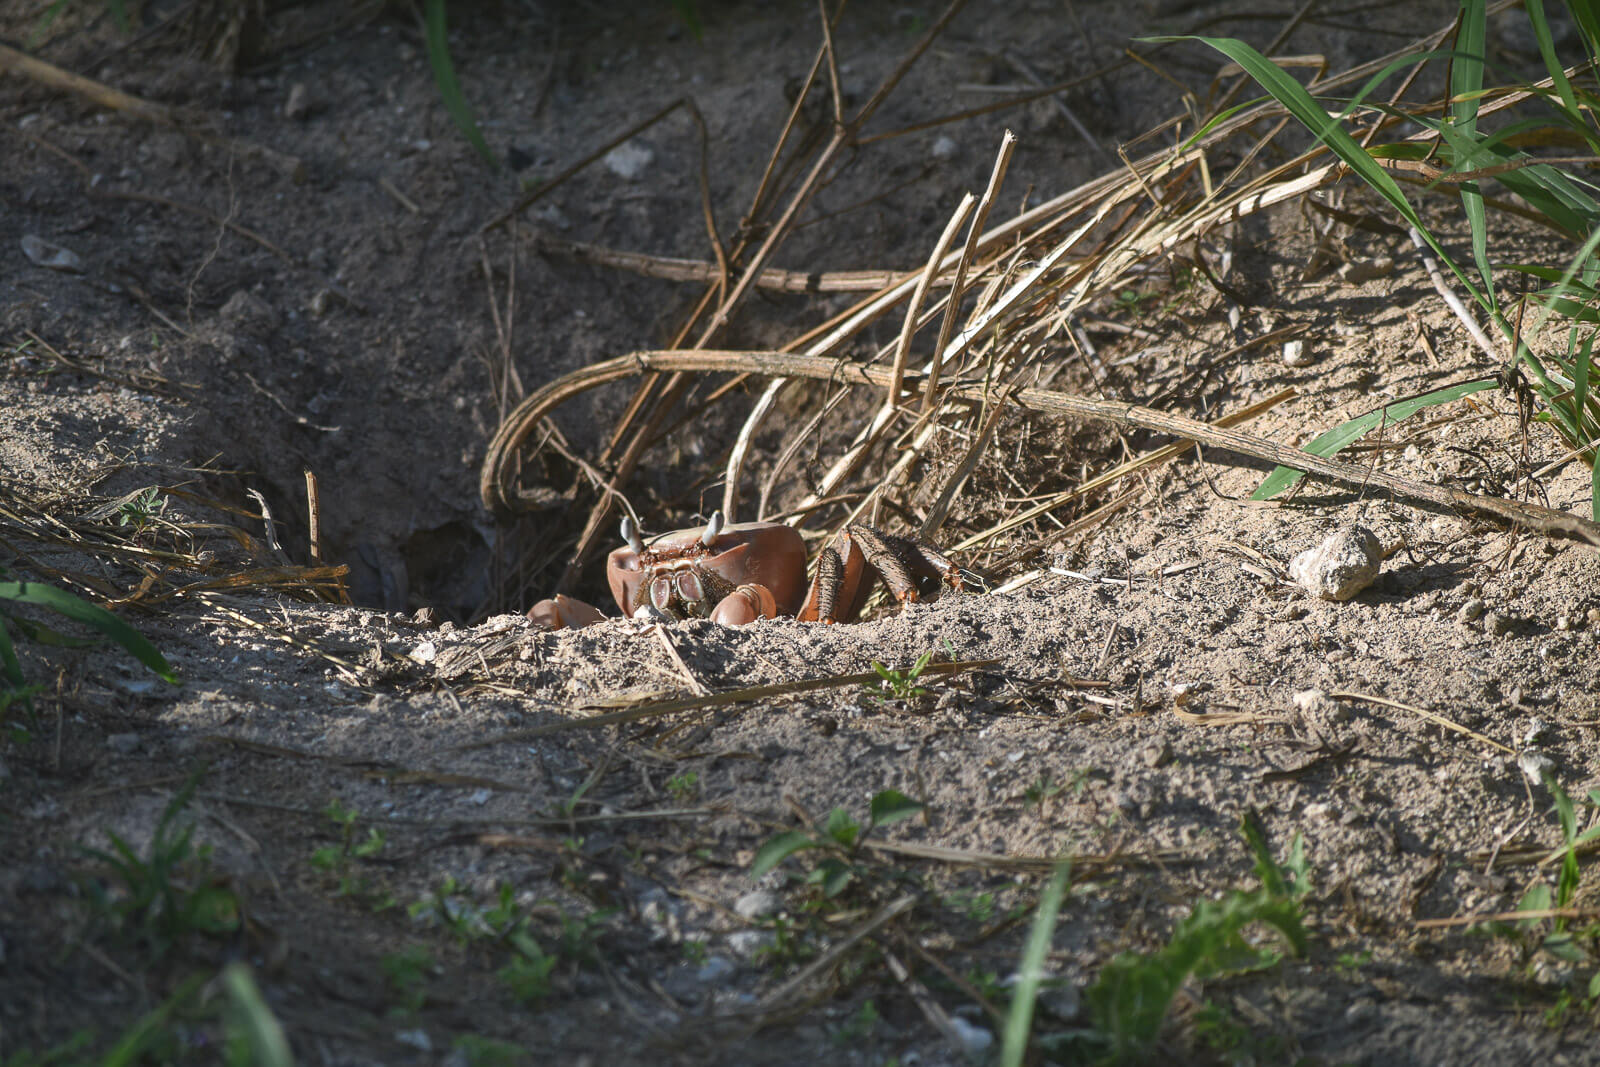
(833, 875)
(891, 806)
(842, 828)
(92, 615)
(254, 1034)
(1332, 441)
(1537, 898)
(444, 75)
(41, 634)
(778, 849)
(1019, 1020)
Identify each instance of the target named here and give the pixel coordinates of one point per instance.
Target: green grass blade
(1466, 83)
(251, 1025)
(1587, 16)
(444, 75)
(1558, 75)
(1331, 442)
(1019, 1020)
(91, 615)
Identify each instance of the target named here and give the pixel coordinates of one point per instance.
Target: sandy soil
(231, 327)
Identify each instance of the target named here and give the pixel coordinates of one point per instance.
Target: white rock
(1342, 566)
(747, 943)
(417, 1039)
(1295, 354)
(1311, 700)
(974, 1039)
(944, 148)
(757, 904)
(426, 652)
(1535, 765)
(629, 160)
(48, 254)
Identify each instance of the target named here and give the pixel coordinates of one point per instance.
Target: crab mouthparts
(685, 584)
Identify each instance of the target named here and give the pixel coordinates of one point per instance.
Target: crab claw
(561, 611)
(745, 605)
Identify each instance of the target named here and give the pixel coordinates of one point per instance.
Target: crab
(736, 573)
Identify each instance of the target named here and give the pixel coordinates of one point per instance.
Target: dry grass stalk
(1432, 716)
(500, 495)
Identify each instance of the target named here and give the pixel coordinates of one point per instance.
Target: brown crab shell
(759, 553)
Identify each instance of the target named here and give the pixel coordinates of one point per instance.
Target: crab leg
(844, 580)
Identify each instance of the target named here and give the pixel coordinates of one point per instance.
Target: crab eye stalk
(630, 534)
(713, 528)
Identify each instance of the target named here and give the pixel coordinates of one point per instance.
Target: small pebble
(747, 943)
(944, 148)
(417, 1039)
(1295, 354)
(975, 1040)
(48, 254)
(1344, 564)
(1535, 765)
(1184, 693)
(1497, 622)
(629, 161)
(299, 105)
(1472, 610)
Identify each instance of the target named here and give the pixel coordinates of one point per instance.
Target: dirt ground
(235, 320)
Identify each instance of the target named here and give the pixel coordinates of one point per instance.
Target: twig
(54, 77)
(930, 1008)
(313, 515)
(914, 306)
(1449, 297)
(952, 307)
(837, 951)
